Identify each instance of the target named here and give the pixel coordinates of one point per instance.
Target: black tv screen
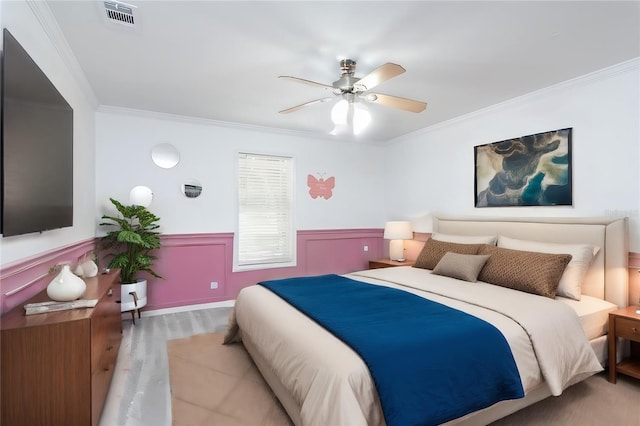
(37, 147)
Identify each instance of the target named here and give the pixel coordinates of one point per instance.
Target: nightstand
(388, 263)
(623, 323)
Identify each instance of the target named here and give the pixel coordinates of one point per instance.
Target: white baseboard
(187, 308)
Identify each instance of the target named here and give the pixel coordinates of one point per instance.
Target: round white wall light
(141, 196)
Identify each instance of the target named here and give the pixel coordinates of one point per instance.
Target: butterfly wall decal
(320, 187)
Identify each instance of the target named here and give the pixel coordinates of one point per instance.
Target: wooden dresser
(57, 367)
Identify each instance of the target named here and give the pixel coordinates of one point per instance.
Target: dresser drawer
(106, 328)
(628, 329)
(101, 376)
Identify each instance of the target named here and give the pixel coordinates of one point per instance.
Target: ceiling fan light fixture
(339, 112)
(361, 119)
(350, 113)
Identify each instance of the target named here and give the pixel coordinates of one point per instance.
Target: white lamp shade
(361, 119)
(339, 112)
(398, 230)
(349, 114)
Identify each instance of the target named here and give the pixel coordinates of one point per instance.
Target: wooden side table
(623, 323)
(388, 263)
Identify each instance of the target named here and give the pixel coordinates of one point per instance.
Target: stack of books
(44, 307)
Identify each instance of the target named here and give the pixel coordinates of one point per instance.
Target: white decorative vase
(89, 269)
(66, 286)
(127, 301)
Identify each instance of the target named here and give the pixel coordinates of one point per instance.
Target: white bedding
(593, 314)
(331, 384)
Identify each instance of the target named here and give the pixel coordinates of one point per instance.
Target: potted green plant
(130, 243)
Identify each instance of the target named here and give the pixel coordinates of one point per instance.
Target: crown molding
(48, 22)
(153, 115)
(632, 65)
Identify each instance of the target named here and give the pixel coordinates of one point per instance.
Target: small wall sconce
(140, 196)
(396, 231)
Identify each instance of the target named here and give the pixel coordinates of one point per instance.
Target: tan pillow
(581, 254)
(461, 266)
(433, 251)
(528, 271)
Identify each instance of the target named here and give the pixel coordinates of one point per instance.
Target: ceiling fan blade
(306, 104)
(396, 102)
(309, 82)
(377, 76)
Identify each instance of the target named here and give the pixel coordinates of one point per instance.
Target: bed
(321, 380)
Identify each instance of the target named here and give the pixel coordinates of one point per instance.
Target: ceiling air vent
(120, 13)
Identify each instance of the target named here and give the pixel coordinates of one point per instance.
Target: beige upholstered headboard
(608, 275)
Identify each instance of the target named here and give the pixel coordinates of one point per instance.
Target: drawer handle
(109, 347)
(635, 330)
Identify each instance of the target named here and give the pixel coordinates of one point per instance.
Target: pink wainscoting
(338, 252)
(189, 263)
(32, 274)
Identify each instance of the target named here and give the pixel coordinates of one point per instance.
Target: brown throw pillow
(528, 271)
(433, 251)
(461, 266)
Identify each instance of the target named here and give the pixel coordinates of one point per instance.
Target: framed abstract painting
(533, 170)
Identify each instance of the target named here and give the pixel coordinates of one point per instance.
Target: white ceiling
(220, 60)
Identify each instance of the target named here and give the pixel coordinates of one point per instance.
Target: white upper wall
(208, 153)
(430, 170)
(435, 167)
(22, 20)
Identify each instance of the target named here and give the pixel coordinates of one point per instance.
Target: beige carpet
(214, 384)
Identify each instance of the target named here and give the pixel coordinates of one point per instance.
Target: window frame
(292, 234)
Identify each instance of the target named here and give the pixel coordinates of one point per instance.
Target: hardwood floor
(139, 393)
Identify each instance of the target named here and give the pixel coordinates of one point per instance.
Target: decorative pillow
(433, 251)
(466, 239)
(461, 266)
(528, 271)
(573, 276)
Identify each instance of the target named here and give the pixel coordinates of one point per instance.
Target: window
(265, 219)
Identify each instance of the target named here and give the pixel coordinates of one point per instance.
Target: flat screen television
(37, 147)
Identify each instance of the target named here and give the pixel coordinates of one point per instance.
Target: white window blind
(265, 222)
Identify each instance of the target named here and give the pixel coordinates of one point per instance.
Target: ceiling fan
(352, 88)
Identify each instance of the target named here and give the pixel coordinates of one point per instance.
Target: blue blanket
(430, 363)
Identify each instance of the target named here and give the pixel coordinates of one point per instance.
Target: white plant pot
(126, 298)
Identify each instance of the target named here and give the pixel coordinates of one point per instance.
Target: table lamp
(396, 231)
